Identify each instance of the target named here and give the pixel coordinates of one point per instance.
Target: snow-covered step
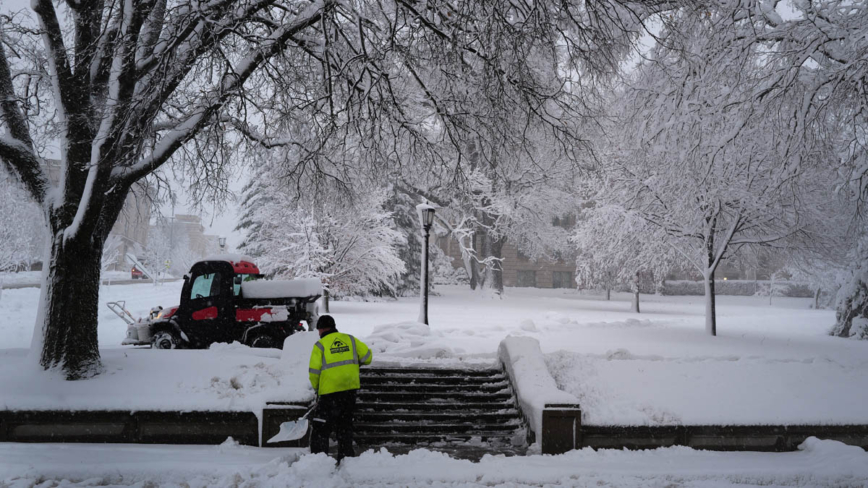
(497, 437)
(432, 388)
(434, 396)
(430, 372)
(393, 379)
(428, 407)
(430, 427)
(461, 416)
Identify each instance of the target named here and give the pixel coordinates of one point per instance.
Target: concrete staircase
(466, 412)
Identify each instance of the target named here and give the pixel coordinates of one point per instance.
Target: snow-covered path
(820, 464)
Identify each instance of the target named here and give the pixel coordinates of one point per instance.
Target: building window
(526, 278)
(565, 222)
(562, 279)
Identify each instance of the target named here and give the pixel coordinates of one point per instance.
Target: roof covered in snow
(306, 287)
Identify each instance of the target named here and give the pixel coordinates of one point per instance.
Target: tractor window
(236, 287)
(206, 285)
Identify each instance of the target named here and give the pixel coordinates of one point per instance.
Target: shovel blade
(290, 431)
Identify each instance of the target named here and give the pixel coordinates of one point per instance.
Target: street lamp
(222, 242)
(426, 216)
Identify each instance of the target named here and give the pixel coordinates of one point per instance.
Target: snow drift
(535, 387)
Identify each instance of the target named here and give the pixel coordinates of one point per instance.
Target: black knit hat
(325, 322)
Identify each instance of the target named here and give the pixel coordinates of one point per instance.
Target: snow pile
(295, 360)
(820, 464)
(412, 339)
(227, 377)
(306, 287)
(530, 376)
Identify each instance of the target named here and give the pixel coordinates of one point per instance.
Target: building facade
(520, 270)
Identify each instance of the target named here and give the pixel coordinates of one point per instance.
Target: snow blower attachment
(294, 430)
(138, 331)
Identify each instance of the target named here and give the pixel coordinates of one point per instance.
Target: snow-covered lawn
(18, 311)
(22, 277)
(818, 464)
(770, 364)
(35, 277)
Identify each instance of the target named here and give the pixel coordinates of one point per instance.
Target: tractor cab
(207, 308)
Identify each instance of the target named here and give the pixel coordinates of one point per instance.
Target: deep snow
(819, 464)
(770, 364)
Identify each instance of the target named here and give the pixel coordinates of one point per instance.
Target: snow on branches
(349, 243)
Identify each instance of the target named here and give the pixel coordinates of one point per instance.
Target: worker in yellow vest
(334, 375)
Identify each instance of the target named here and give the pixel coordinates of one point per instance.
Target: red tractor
(226, 299)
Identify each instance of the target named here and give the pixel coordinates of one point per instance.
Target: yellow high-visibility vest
(334, 363)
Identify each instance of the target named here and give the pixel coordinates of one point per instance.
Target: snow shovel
(294, 430)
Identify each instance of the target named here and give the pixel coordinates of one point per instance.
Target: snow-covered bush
(744, 288)
(852, 306)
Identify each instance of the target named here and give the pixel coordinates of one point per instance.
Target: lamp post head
(222, 242)
(426, 215)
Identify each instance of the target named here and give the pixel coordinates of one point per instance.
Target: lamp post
(222, 242)
(426, 216)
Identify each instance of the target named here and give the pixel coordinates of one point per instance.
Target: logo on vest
(338, 347)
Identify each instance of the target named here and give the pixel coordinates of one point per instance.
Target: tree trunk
(474, 264)
(710, 313)
(494, 249)
(71, 301)
(635, 307)
(325, 299)
(608, 293)
(817, 299)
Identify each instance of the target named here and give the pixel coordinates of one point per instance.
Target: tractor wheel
(262, 341)
(165, 340)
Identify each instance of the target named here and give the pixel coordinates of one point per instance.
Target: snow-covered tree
(21, 227)
(169, 251)
(510, 196)
(734, 70)
(350, 244)
(110, 253)
(614, 246)
(126, 87)
(852, 296)
(714, 172)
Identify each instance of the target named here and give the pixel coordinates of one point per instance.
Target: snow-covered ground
(18, 309)
(20, 278)
(34, 278)
(819, 464)
(770, 364)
